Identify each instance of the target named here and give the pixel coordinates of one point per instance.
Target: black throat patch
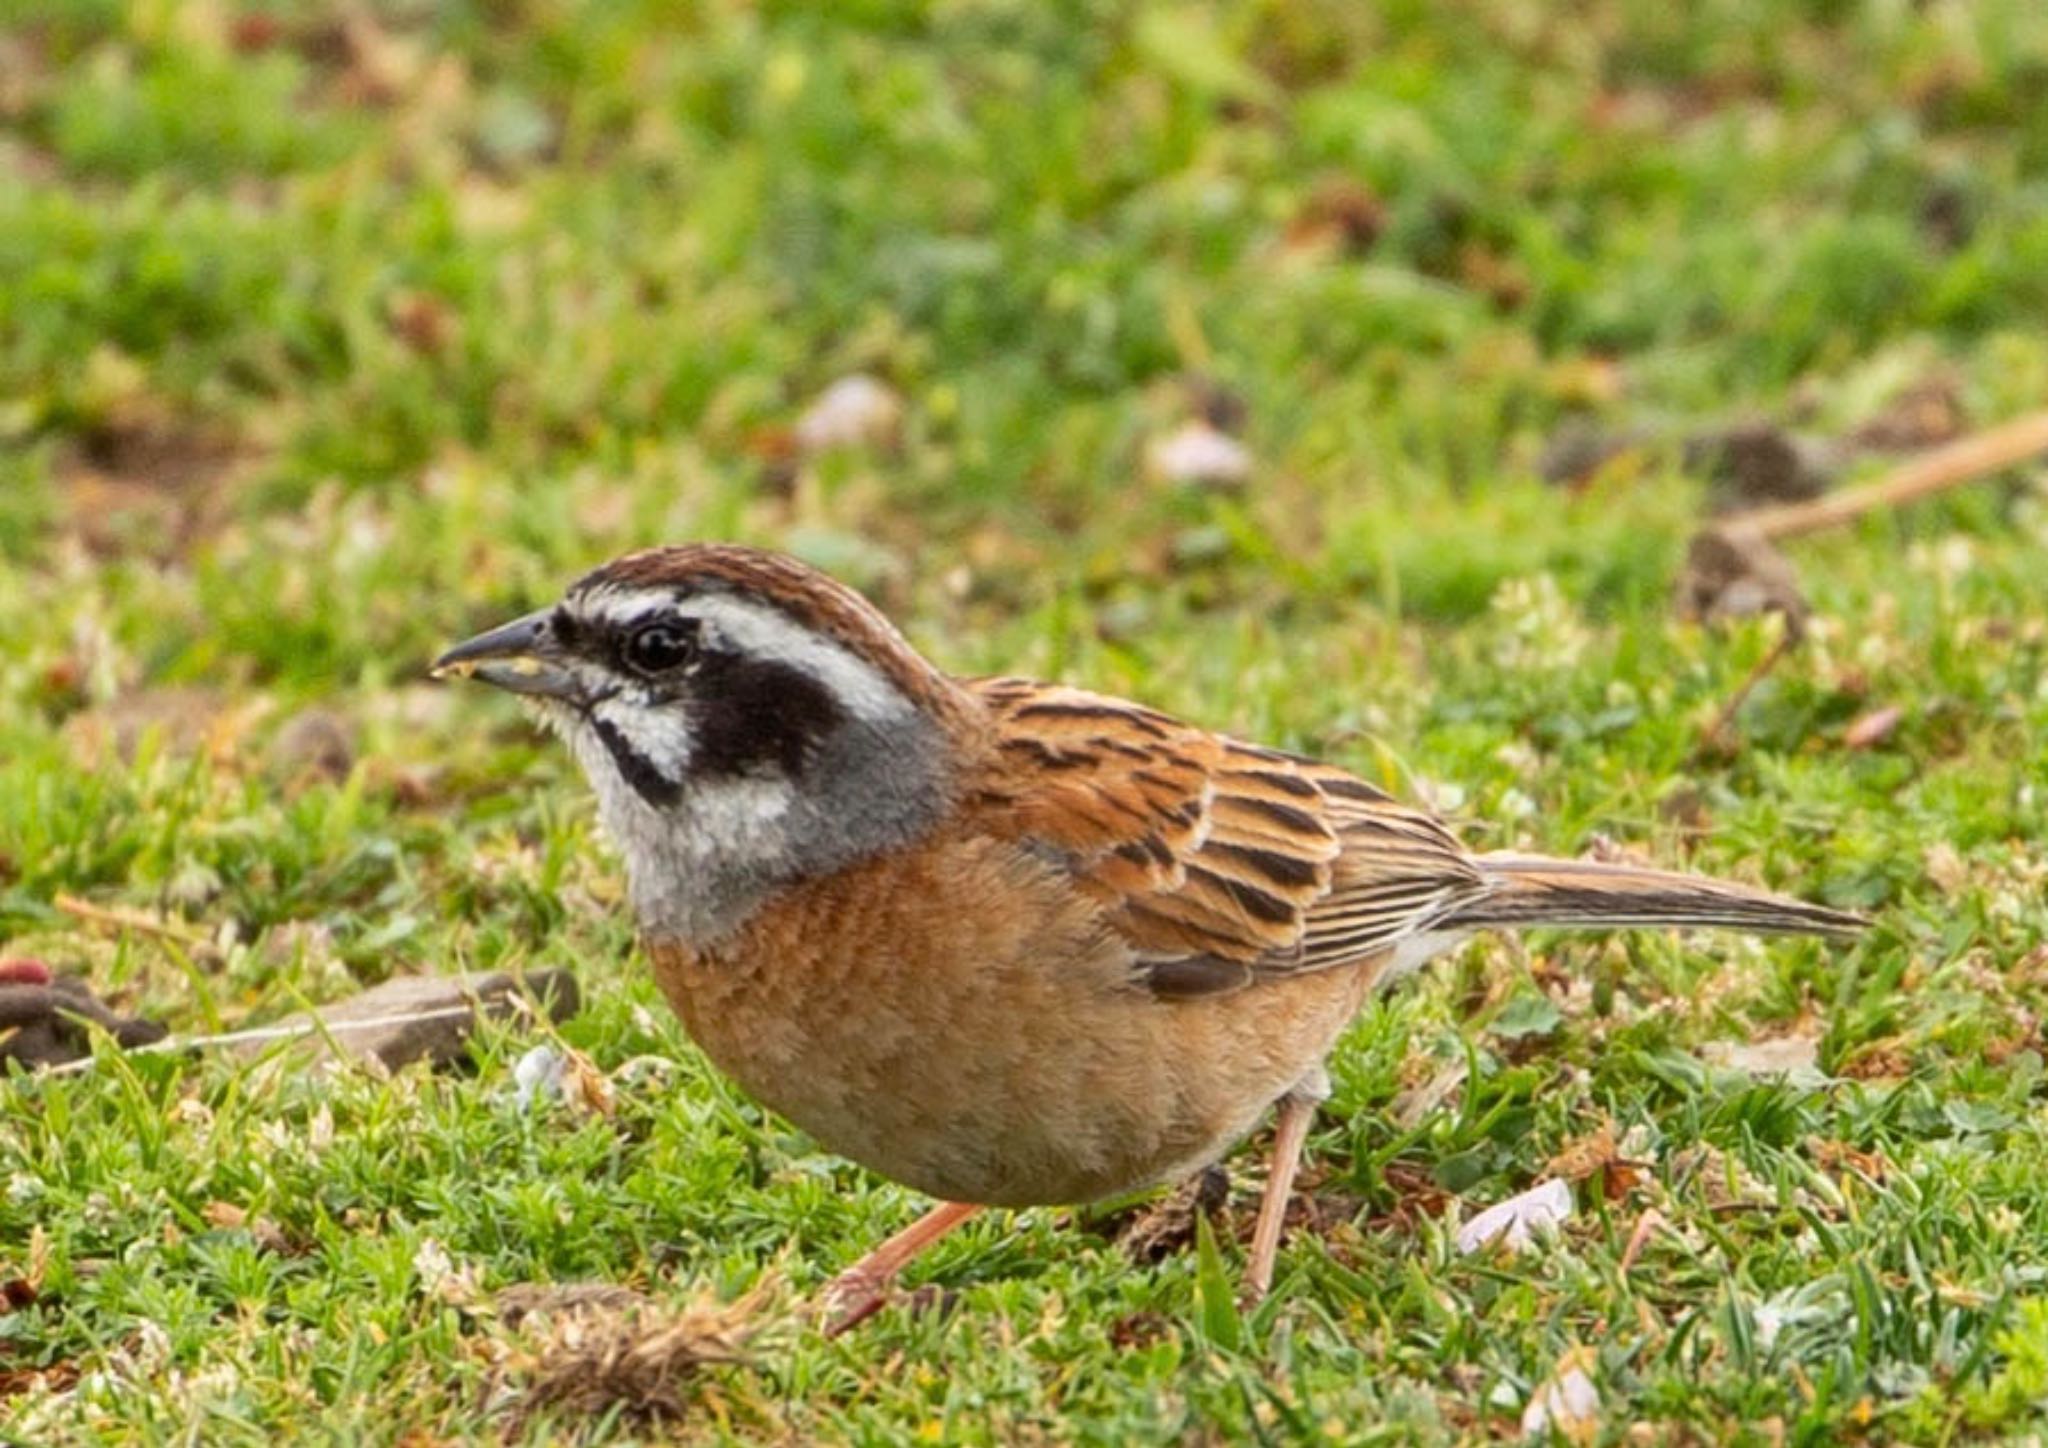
(636, 768)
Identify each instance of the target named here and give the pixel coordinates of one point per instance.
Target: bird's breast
(957, 1017)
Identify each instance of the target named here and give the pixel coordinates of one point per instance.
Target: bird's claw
(852, 1298)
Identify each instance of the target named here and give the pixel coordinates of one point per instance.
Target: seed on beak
(522, 665)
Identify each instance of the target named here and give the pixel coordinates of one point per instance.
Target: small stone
(1869, 730)
(1731, 572)
(855, 411)
(1756, 464)
(1794, 1058)
(1945, 867)
(314, 742)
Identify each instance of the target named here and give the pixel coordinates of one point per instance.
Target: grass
(323, 342)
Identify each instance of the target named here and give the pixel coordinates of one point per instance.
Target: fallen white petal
(1568, 1402)
(1794, 1057)
(1546, 1205)
(1770, 1321)
(1195, 452)
(852, 412)
(538, 1076)
(432, 1262)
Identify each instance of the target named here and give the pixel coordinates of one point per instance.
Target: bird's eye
(660, 647)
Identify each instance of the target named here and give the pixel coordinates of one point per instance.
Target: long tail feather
(1533, 890)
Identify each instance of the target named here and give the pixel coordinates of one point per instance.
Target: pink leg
(1291, 1125)
(859, 1292)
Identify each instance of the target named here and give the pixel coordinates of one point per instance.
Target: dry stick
(1715, 737)
(291, 1032)
(1646, 1224)
(114, 917)
(1963, 461)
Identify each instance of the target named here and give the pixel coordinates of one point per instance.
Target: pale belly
(973, 1033)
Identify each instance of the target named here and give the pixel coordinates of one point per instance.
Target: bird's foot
(858, 1293)
(853, 1297)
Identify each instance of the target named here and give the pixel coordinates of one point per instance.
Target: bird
(1009, 943)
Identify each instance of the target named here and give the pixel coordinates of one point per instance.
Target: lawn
(329, 337)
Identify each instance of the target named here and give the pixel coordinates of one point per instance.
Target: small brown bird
(1006, 942)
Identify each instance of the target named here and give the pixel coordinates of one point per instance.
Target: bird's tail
(1534, 890)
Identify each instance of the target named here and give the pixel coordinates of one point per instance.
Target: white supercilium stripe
(763, 632)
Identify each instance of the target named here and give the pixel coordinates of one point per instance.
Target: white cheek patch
(662, 736)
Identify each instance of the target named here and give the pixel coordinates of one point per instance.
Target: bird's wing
(1218, 861)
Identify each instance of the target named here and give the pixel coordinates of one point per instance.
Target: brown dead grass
(583, 1351)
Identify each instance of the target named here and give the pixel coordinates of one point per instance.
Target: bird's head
(745, 721)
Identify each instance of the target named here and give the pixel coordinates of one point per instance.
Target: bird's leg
(1291, 1122)
(859, 1292)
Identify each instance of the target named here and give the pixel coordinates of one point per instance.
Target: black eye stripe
(759, 713)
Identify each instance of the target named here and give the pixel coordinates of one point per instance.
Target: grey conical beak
(520, 656)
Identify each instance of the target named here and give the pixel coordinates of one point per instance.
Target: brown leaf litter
(143, 477)
(1597, 1153)
(183, 719)
(1156, 1230)
(1166, 1227)
(1340, 216)
(265, 1233)
(1418, 1197)
(58, 1377)
(585, 1350)
(1929, 413)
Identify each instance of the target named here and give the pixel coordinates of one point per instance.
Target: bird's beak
(520, 656)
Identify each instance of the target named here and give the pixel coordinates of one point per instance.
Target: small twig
(1646, 1225)
(1963, 461)
(273, 1033)
(117, 918)
(1714, 739)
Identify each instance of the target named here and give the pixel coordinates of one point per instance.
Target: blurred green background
(1347, 375)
